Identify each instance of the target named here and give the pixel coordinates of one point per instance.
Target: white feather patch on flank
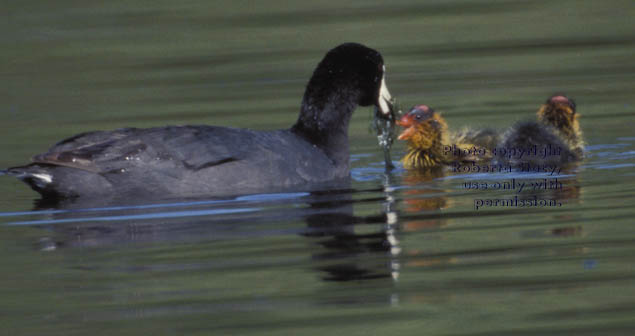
(384, 97)
(46, 178)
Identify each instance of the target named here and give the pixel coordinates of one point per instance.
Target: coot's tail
(54, 182)
(38, 178)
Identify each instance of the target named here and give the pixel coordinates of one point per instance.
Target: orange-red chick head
(423, 127)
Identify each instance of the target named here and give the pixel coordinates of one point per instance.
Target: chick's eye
(418, 116)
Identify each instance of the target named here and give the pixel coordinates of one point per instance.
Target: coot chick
(556, 138)
(485, 138)
(210, 160)
(429, 142)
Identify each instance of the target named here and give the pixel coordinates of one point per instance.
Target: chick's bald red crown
(561, 99)
(416, 114)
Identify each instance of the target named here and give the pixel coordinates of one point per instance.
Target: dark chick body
(556, 133)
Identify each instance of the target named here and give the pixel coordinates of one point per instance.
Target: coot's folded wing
(190, 147)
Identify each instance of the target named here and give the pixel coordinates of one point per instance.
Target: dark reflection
(116, 221)
(345, 247)
(562, 191)
(426, 204)
(571, 189)
(347, 250)
(540, 190)
(555, 187)
(347, 255)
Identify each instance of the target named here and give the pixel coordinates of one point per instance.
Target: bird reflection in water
(350, 249)
(425, 198)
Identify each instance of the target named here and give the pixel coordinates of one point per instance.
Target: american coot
(556, 135)
(210, 160)
(430, 144)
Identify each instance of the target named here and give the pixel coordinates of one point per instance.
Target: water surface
(400, 253)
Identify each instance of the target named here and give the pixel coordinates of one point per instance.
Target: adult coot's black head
(349, 75)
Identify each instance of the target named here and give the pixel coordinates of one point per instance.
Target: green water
(400, 254)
